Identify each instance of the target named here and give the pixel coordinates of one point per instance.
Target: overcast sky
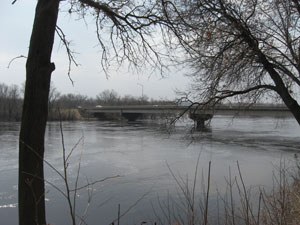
(16, 24)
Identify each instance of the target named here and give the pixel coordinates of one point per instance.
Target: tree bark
(31, 189)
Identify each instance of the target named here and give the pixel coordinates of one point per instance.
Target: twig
(245, 193)
(70, 53)
(18, 57)
(130, 207)
(119, 211)
(207, 194)
(259, 205)
(71, 206)
(231, 197)
(94, 182)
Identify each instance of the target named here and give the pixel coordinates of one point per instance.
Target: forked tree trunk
(34, 116)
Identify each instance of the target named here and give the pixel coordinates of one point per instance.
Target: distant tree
(108, 97)
(70, 101)
(3, 100)
(132, 100)
(10, 102)
(162, 102)
(14, 102)
(244, 49)
(144, 99)
(129, 100)
(54, 95)
(126, 23)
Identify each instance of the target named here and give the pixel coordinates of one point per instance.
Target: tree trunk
(283, 92)
(34, 116)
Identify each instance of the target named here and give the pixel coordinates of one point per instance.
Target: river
(140, 158)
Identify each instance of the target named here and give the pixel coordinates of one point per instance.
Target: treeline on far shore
(65, 106)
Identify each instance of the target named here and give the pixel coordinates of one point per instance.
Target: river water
(141, 157)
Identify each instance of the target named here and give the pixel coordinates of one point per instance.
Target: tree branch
(231, 93)
(13, 59)
(297, 5)
(70, 53)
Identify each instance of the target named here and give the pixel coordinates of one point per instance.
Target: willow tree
(127, 25)
(244, 49)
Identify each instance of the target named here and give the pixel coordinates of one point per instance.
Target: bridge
(199, 114)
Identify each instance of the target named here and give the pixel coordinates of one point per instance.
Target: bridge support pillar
(131, 116)
(200, 119)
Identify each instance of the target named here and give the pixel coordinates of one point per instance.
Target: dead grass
(294, 199)
(278, 206)
(65, 114)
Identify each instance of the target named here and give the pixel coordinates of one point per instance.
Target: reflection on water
(139, 153)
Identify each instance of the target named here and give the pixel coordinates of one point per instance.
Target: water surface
(141, 154)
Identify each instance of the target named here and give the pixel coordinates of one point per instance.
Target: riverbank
(65, 115)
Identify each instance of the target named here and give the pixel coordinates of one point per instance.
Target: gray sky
(16, 24)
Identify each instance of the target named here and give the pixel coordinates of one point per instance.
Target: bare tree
(3, 100)
(243, 49)
(54, 95)
(108, 97)
(128, 26)
(13, 102)
(71, 101)
(10, 102)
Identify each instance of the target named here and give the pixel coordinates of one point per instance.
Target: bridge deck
(254, 110)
